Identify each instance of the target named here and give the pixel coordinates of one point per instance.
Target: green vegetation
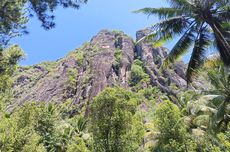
(138, 75)
(72, 77)
(49, 66)
(143, 119)
(119, 120)
(117, 62)
(79, 57)
(113, 118)
(35, 127)
(39, 128)
(172, 131)
(118, 55)
(199, 121)
(9, 59)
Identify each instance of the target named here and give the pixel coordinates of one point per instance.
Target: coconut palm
(199, 23)
(220, 81)
(213, 108)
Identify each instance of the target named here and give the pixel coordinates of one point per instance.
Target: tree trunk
(225, 51)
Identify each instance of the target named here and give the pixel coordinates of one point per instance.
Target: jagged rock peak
(82, 74)
(105, 61)
(142, 33)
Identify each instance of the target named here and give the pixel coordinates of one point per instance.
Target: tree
(172, 130)
(212, 108)
(14, 14)
(206, 118)
(12, 19)
(114, 125)
(39, 128)
(220, 81)
(200, 23)
(45, 127)
(17, 131)
(9, 59)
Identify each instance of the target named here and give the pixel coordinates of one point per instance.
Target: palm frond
(213, 61)
(223, 1)
(216, 80)
(172, 25)
(181, 47)
(226, 30)
(215, 102)
(162, 13)
(224, 15)
(222, 4)
(226, 26)
(81, 124)
(180, 3)
(220, 112)
(166, 29)
(198, 55)
(162, 41)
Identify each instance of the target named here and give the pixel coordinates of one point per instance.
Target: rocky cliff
(106, 60)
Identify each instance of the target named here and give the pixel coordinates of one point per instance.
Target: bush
(117, 63)
(138, 74)
(77, 145)
(72, 77)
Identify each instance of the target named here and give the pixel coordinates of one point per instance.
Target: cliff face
(104, 61)
(153, 59)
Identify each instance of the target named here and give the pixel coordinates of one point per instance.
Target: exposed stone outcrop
(37, 83)
(153, 59)
(104, 61)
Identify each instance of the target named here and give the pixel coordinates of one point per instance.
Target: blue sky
(74, 27)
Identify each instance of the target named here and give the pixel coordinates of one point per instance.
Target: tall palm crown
(199, 23)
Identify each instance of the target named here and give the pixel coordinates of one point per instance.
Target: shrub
(138, 74)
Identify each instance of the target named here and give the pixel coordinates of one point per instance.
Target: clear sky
(74, 27)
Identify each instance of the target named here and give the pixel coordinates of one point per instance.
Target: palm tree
(199, 23)
(220, 80)
(212, 109)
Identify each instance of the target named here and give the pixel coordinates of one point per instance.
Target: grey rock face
(37, 83)
(153, 59)
(104, 61)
